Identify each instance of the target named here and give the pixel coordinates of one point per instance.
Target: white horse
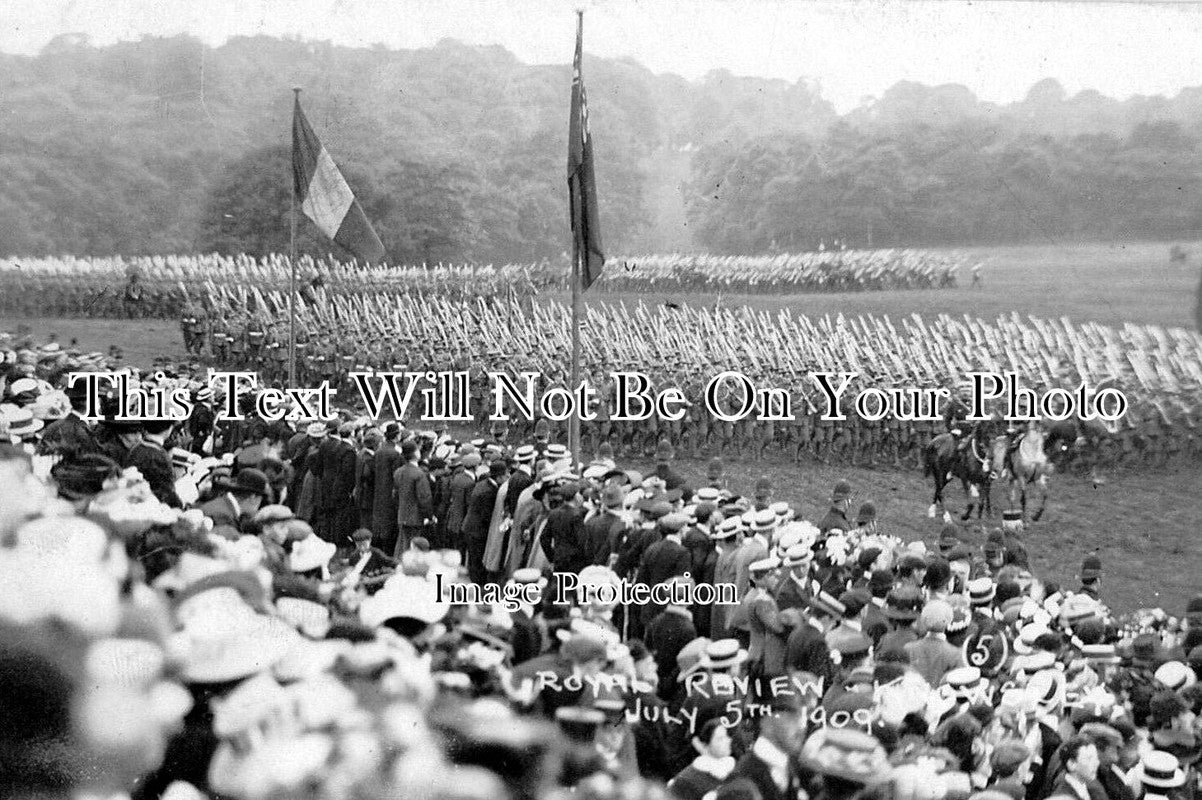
(1027, 465)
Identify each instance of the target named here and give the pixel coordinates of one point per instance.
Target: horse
(943, 461)
(1026, 464)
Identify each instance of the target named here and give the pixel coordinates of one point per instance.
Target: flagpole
(578, 253)
(574, 420)
(292, 263)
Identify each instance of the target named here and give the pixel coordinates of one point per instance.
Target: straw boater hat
(845, 753)
(1160, 770)
(763, 521)
(722, 654)
(727, 528)
(1175, 676)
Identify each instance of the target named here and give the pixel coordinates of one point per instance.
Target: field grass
(1143, 525)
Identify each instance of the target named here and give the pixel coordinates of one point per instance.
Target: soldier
(133, 296)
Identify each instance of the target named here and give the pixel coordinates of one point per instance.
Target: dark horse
(972, 465)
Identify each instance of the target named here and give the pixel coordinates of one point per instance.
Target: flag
(582, 185)
(325, 196)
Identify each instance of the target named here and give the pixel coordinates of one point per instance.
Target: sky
(851, 48)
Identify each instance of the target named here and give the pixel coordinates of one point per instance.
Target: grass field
(1145, 526)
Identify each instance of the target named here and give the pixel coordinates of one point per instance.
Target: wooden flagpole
(292, 262)
(574, 420)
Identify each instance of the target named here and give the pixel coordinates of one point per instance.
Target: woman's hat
(310, 553)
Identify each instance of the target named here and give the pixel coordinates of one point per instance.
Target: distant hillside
(458, 153)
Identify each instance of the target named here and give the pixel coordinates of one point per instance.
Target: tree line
(964, 183)
(458, 154)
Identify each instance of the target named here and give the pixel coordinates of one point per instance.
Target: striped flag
(325, 196)
(582, 184)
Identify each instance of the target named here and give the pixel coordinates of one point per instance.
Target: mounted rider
(956, 413)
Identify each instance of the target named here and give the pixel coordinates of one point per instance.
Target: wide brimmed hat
(310, 553)
(404, 597)
(224, 639)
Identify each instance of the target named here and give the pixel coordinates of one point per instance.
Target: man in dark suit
(414, 498)
(463, 478)
(665, 559)
(521, 477)
(153, 461)
(564, 536)
(70, 436)
(478, 516)
(365, 476)
(336, 514)
(383, 511)
(667, 635)
(603, 530)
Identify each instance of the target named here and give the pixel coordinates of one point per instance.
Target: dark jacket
(631, 548)
(155, 465)
(480, 504)
(662, 560)
(69, 436)
(297, 452)
(383, 510)
(601, 532)
(665, 637)
(461, 485)
(365, 485)
(756, 770)
(335, 467)
(835, 518)
(414, 494)
(673, 480)
(518, 481)
(221, 511)
(564, 539)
